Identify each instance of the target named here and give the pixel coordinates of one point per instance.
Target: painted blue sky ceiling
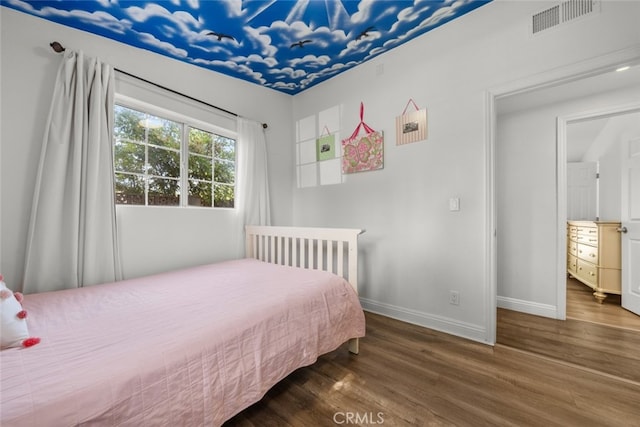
(287, 45)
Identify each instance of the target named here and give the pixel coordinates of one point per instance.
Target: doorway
(533, 275)
(587, 141)
(530, 183)
(604, 134)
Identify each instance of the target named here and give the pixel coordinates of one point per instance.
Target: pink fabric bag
(362, 153)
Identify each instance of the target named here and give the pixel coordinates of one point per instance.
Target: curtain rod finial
(57, 47)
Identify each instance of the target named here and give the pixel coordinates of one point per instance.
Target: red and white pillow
(14, 331)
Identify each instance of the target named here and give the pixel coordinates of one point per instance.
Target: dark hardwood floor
(406, 375)
(602, 337)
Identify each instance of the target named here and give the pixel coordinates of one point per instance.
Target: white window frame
(187, 122)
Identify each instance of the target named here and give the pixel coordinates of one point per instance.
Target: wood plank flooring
(602, 337)
(580, 306)
(406, 375)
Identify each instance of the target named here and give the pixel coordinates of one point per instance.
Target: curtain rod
(58, 48)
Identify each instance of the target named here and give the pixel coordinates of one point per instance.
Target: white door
(630, 230)
(582, 190)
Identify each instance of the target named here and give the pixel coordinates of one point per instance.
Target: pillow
(14, 332)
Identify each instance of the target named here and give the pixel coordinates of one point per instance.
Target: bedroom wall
(415, 250)
(526, 195)
(153, 239)
(606, 149)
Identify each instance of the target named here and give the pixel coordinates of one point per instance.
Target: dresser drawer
(594, 251)
(587, 235)
(588, 273)
(588, 253)
(572, 264)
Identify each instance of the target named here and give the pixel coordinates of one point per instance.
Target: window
(171, 162)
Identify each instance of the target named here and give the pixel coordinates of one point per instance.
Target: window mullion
(184, 166)
(213, 174)
(146, 166)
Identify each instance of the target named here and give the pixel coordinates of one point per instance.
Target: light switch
(454, 204)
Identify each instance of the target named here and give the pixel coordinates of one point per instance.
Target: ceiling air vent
(563, 12)
(546, 19)
(573, 9)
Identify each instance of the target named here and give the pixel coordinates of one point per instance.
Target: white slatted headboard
(328, 249)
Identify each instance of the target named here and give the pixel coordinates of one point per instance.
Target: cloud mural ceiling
(286, 45)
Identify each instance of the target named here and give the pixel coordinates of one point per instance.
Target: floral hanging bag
(362, 152)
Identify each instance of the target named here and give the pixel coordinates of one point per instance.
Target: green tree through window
(148, 153)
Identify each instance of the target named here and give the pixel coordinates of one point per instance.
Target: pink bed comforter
(191, 347)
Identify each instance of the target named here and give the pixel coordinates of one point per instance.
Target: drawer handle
(591, 273)
(592, 255)
(593, 240)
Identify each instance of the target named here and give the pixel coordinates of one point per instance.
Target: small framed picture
(326, 147)
(411, 127)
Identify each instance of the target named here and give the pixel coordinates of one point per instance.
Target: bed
(188, 347)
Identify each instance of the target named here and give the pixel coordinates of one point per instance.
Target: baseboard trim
(438, 323)
(529, 307)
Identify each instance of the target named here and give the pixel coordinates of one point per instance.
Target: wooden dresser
(593, 256)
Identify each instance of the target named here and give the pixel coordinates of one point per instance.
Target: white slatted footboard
(327, 249)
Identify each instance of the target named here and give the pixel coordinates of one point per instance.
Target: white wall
(154, 239)
(415, 250)
(606, 150)
(609, 200)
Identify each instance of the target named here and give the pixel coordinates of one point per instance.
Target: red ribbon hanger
(410, 102)
(327, 129)
(362, 124)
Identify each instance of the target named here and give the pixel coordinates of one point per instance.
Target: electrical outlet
(454, 298)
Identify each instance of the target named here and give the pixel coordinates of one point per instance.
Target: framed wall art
(411, 126)
(326, 147)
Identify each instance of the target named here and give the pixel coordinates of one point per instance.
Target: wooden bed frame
(328, 249)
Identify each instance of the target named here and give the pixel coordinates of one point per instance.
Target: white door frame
(583, 69)
(561, 175)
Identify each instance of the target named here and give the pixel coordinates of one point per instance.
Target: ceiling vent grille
(546, 19)
(564, 12)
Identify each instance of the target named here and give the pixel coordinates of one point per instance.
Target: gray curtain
(72, 240)
(253, 205)
(253, 197)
